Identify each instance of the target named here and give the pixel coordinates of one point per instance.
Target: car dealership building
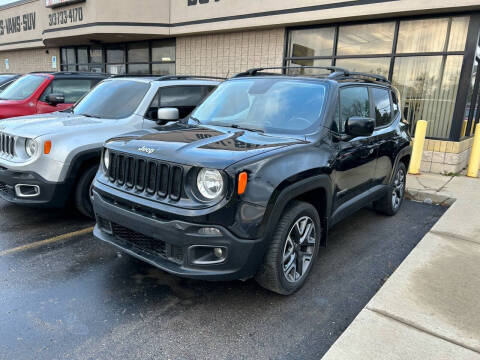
(429, 49)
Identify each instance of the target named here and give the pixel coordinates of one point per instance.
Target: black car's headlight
(210, 183)
(106, 159)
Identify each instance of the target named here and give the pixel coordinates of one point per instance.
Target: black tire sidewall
(400, 166)
(82, 192)
(298, 211)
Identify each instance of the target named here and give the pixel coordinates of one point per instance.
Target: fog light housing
(207, 255)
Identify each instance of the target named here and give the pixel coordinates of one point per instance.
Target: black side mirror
(359, 126)
(55, 99)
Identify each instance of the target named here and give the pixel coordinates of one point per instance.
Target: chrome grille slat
(7, 145)
(147, 176)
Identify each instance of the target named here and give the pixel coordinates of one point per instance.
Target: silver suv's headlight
(106, 159)
(31, 147)
(210, 183)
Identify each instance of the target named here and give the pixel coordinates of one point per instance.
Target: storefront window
(163, 51)
(163, 69)
(138, 53)
(422, 57)
(308, 62)
(312, 42)
(428, 86)
(379, 66)
(458, 33)
(142, 58)
(366, 39)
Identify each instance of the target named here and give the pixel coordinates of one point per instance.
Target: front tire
(293, 250)
(391, 203)
(83, 192)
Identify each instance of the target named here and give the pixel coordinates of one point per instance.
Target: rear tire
(392, 201)
(83, 192)
(293, 249)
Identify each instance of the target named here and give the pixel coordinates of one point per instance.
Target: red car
(38, 93)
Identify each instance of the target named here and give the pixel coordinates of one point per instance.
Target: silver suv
(51, 159)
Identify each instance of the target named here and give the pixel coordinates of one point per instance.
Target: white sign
(54, 62)
(7, 64)
(55, 3)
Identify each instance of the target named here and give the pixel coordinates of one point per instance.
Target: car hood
(215, 147)
(43, 124)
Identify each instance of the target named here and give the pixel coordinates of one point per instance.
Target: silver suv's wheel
(293, 249)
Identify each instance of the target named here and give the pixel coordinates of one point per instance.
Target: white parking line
(41, 243)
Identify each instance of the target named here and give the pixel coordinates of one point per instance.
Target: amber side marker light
(47, 147)
(242, 182)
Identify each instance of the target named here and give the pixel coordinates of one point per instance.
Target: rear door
(386, 138)
(72, 89)
(355, 158)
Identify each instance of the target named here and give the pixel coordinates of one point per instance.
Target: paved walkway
(429, 309)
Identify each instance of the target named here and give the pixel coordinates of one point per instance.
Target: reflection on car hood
(216, 147)
(42, 124)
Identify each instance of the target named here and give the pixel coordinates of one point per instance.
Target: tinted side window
(173, 96)
(383, 108)
(184, 98)
(72, 89)
(354, 101)
(395, 105)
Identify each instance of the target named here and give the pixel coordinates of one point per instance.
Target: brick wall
(229, 53)
(24, 61)
(446, 157)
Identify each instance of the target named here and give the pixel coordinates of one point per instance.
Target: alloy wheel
(398, 188)
(299, 249)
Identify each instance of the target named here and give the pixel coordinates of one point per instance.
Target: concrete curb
(428, 309)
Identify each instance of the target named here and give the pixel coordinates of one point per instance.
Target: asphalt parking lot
(71, 297)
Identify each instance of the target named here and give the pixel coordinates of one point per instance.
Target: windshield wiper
(90, 116)
(195, 120)
(235, 126)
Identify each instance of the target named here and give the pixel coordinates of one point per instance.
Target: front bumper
(170, 244)
(49, 193)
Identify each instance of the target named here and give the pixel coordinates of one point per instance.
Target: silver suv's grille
(150, 177)
(7, 144)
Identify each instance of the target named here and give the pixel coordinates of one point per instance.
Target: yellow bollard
(418, 143)
(474, 162)
(464, 128)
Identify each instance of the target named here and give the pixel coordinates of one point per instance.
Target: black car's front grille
(7, 144)
(148, 244)
(146, 176)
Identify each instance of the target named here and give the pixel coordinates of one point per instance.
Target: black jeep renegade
(250, 183)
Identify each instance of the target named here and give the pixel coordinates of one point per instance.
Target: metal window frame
(465, 72)
(126, 63)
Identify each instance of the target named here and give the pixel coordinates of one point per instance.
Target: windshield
(116, 99)
(6, 78)
(270, 105)
(22, 88)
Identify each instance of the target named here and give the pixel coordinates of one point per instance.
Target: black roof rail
(83, 73)
(334, 70)
(134, 75)
(376, 77)
(336, 73)
(185, 77)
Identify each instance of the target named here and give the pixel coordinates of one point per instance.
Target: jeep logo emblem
(146, 150)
